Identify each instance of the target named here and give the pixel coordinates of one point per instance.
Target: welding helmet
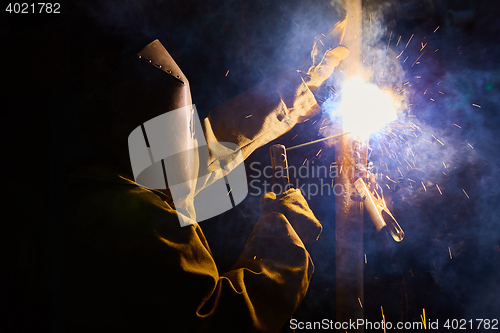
(168, 148)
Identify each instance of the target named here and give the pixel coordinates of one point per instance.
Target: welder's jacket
(131, 267)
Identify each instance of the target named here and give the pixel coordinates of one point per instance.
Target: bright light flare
(365, 108)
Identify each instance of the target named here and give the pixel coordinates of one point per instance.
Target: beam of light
(365, 109)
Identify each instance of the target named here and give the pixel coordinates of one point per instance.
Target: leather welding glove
(326, 55)
(294, 206)
(321, 71)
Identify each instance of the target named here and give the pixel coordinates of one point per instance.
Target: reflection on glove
(295, 208)
(324, 69)
(325, 55)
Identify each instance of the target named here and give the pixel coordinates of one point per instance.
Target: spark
(391, 179)
(390, 36)
(365, 259)
(418, 58)
(400, 173)
(400, 54)
(466, 194)
(404, 159)
(318, 152)
(436, 29)
(296, 24)
(360, 304)
(284, 21)
(442, 93)
(425, 189)
(294, 136)
(423, 45)
(409, 41)
(248, 116)
(444, 165)
(227, 72)
(439, 83)
(399, 39)
(416, 126)
(477, 106)
(437, 140)
(457, 125)
(434, 265)
(411, 272)
(470, 145)
(406, 59)
(439, 189)
(304, 161)
(422, 316)
(449, 250)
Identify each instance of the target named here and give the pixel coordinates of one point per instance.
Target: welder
(131, 267)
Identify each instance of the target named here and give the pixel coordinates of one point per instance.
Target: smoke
(437, 164)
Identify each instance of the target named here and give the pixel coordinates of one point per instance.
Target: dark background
(47, 62)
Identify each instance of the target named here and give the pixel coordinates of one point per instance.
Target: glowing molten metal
(365, 108)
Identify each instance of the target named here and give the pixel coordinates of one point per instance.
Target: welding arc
(324, 139)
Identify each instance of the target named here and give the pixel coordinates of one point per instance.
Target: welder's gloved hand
(322, 70)
(326, 55)
(294, 206)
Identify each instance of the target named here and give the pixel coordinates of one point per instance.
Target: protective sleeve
(261, 114)
(130, 266)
